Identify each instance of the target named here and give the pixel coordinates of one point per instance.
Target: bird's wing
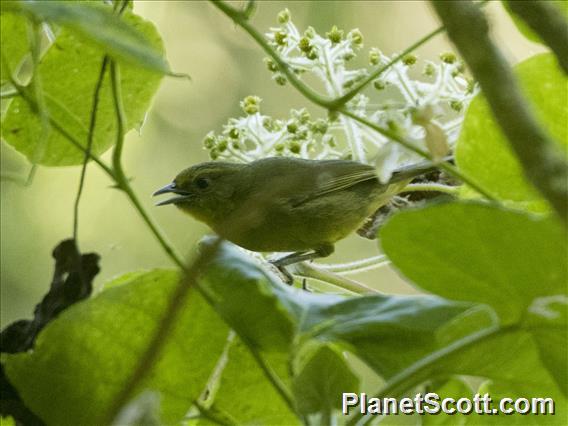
(340, 181)
(349, 174)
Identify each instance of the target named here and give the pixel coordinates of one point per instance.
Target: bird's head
(203, 190)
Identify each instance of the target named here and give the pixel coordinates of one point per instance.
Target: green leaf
(547, 320)
(483, 152)
(96, 22)
(13, 42)
(323, 376)
(234, 282)
(479, 253)
(452, 388)
(514, 262)
(83, 358)
(7, 421)
(245, 396)
(376, 327)
(520, 375)
(68, 72)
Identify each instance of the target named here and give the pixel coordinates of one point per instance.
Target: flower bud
(284, 16)
(319, 126)
(456, 105)
(251, 105)
(279, 78)
(310, 32)
(234, 133)
(222, 145)
(356, 37)
(374, 56)
(379, 84)
(335, 34)
(409, 59)
(304, 45)
(209, 141)
(280, 38)
(295, 146)
(448, 57)
(271, 65)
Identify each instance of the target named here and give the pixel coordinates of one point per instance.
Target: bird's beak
(171, 188)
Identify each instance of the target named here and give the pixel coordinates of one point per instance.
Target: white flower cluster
(426, 110)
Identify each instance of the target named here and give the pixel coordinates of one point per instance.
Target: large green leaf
(254, 302)
(96, 22)
(514, 262)
(322, 377)
(68, 72)
(245, 396)
(483, 152)
(276, 318)
(376, 327)
(83, 358)
(13, 42)
(479, 253)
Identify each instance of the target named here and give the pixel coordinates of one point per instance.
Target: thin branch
(241, 20)
(540, 157)
(36, 86)
(356, 265)
(90, 138)
(118, 173)
(546, 20)
(60, 129)
(176, 302)
(421, 370)
(306, 270)
(339, 102)
(437, 187)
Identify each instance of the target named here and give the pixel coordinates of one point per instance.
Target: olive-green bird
(281, 204)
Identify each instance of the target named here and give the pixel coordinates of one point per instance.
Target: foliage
(491, 315)
(481, 140)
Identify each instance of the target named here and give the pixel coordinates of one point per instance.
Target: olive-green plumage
(284, 204)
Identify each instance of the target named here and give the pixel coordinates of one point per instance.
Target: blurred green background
(225, 65)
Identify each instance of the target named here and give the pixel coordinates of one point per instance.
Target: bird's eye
(202, 183)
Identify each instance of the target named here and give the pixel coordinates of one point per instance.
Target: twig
(306, 270)
(118, 172)
(148, 359)
(36, 85)
(241, 20)
(438, 187)
(339, 102)
(420, 370)
(22, 91)
(355, 266)
(542, 162)
(90, 138)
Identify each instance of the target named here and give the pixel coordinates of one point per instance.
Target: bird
(285, 204)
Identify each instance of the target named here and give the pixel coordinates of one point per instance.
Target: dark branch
(543, 164)
(546, 20)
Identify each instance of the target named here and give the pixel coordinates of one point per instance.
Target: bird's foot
(286, 276)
